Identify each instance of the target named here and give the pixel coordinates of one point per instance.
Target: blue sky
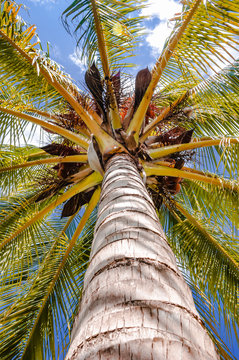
(46, 15)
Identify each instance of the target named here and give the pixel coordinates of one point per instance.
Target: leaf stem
(169, 171)
(116, 123)
(209, 237)
(91, 180)
(137, 121)
(151, 126)
(92, 204)
(52, 127)
(61, 159)
(167, 150)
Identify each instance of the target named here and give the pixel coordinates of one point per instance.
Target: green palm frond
(209, 314)
(23, 40)
(211, 37)
(174, 74)
(63, 259)
(52, 78)
(13, 97)
(15, 69)
(47, 306)
(205, 268)
(194, 264)
(203, 230)
(29, 246)
(218, 204)
(13, 130)
(119, 25)
(210, 254)
(42, 257)
(216, 99)
(220, 155)
(213, 101)
(14, 180)
(26, 73)
(21, 230)
(221, 160)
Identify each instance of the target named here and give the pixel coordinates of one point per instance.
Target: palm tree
(120, 166)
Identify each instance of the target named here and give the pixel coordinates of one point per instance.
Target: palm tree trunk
(135, 303)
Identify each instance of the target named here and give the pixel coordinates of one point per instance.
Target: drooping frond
(20, 231)
(187, 154)
(158, 69)
(210, 40)
(29, 246)
(20, 59)
(38, 68)
(211, 255)
(22, 168)
(203, 230)
(160, 170)
(215, 103)
(217, 204)
(50, 299)
(218, 155)
(209, 314)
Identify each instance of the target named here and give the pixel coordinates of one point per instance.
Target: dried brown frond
(76, 202)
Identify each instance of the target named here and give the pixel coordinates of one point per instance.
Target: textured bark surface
(135, 303)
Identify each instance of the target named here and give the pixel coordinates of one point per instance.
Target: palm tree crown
(180, 126)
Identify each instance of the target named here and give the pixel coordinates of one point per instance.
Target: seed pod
(142, 82)
(94, 84)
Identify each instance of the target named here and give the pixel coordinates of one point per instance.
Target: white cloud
(157, 36)
(163, 10)
(56, 51)
(224, 60)
(75, 57)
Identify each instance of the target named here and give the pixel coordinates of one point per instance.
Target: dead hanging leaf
(46, 193)
(175, 136)
(61, 149)
(64, 170)
(77, 201)
(51, 190)
(179, 164)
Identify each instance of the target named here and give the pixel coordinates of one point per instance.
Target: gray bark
(135, 303)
